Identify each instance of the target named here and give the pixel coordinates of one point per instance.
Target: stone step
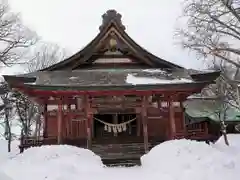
(125, 154)
(123, 162)
(118, 152)
(118, 149)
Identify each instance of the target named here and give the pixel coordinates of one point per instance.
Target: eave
(18, 79)
(53, 80)
(146, 87)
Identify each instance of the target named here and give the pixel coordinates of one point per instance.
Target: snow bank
(234, 141)
(52, 162)
(185, 159)
(234, 145)
(172, 160)
(4, 155)
(3, 176)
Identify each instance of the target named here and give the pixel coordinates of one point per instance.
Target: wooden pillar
(206, 129)
(144, 122)
(115, 121)
(138, 124)
(45, 115)
(183, 118)
(138, 111)
(89, 118)
(69, 121)
(60, 121)
(172, 120)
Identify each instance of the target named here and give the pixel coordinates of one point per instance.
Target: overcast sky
(73, 23)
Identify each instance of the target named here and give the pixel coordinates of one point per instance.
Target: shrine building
(113, 96)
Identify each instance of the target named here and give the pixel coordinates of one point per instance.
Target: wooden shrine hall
(113, 96)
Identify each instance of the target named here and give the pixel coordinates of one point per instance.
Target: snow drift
(234, 147)
(4, 155)
(185, 159)
(3, 176)
(52, 162)
(172, 160)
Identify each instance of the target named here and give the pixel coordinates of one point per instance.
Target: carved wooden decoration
(111, 15)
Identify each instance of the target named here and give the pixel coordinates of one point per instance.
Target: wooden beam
(65, 101)
(144, 122)
(111, 92)
(60, 121)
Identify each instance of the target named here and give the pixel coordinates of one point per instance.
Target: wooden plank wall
(71, 129)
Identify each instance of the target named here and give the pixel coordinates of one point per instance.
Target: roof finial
(110, 16)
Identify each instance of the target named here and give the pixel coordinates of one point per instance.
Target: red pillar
(69, 120)
(45, 115)
(138, 124)
(183, 118)
(89, 118)
(60, 121)
(144, 122)
(172, 120)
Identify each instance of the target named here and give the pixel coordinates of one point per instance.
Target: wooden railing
(33, 141)
(196, 131)
(27, 142)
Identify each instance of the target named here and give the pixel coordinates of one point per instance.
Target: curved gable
(112, 47)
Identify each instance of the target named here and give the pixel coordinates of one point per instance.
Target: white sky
(74, 23)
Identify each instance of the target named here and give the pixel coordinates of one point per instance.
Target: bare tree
(29, 112)
(212, 29)
(228, 81)
(212, 32)
(45, 55)
(237, 127)
(15, 41)
(221, 90)
(225, 97)
(26, 112)
(6, 113)
(15, 38)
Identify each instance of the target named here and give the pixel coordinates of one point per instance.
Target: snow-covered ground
(172, 160)
(4, 155)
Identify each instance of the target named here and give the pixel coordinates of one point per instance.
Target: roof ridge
(110, 16)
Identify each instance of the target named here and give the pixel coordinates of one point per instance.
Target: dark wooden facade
(91, 86)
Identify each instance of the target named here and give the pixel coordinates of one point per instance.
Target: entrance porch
(117, 128)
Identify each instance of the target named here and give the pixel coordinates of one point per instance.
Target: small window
(164, 104)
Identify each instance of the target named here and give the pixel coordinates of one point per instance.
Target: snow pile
(171, 160)
(3, 176)
(4, 155)
(234, 141)
(185, 159)
(233, 150)
(52, 162)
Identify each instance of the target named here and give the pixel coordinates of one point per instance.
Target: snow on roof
(131, 79)
(155, 71)
(200, 96)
